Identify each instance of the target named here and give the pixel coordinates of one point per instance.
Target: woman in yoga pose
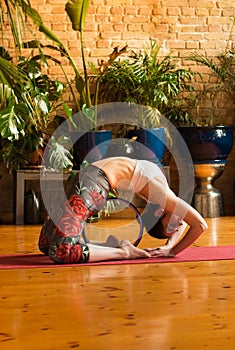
(166, 215)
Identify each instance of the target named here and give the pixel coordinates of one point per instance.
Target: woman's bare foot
(132, 252)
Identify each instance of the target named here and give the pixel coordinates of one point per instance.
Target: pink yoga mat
(24, 261)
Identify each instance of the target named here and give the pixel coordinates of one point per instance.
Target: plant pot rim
(206, 127)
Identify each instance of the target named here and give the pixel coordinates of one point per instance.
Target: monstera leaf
(13, 120)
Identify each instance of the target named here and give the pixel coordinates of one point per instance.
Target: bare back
(119, 170)
(142, 177)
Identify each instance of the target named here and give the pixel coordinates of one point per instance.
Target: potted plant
(208, 139)
(146, 79)
(28, 104)
(85, 116)
(210, 105)
(217, 138)
(85, 128)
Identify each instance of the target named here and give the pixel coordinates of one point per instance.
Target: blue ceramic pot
(208, 144)
(149, 144)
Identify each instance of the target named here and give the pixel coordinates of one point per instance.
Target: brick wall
(180, 25)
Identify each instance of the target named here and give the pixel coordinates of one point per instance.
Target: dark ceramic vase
(209, 148)
(208, 144)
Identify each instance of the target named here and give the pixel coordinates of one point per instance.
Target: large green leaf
(13, 120)
(60, 158)
(77, 10)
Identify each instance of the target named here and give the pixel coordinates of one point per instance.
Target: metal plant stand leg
(208, 200)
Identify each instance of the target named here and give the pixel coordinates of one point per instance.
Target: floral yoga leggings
(87, 193)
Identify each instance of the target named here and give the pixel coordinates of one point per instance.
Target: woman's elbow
(202, 226)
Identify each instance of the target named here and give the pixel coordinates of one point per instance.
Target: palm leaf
(37, 19)
(6, 95)
(16, 21)
(208, 62)
(10, 73)
(13, 76)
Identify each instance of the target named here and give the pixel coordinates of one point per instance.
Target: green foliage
(219, 88)
(28, 101)
(77, 10)
(221, 84)
(60, 156)
(23, 84)
(14, 119)
(145, 79)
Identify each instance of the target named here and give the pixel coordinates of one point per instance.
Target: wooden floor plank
(154, 306)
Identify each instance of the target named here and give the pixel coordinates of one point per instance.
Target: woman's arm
(181, 240)
(197, 225)
(171, 242)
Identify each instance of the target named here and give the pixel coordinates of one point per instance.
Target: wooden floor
(174, 306)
